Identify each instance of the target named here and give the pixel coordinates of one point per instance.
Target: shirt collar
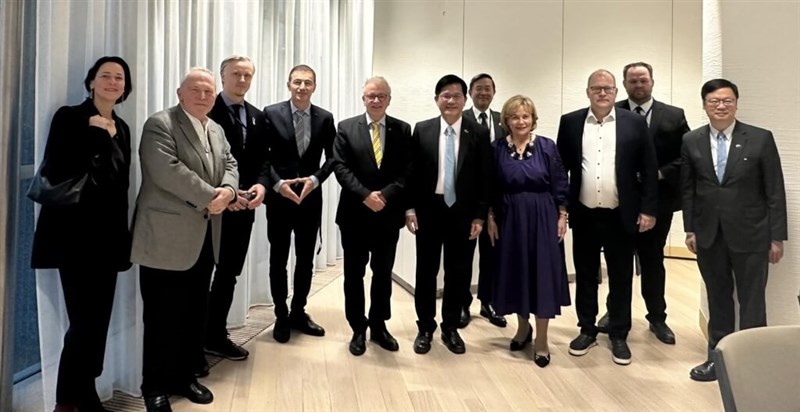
(195, 121)
(612, 115)
(645, 106)
(294, 108)
(477, 113)
(229, 102)
(382, 121)
(456, 125)
(728, 130)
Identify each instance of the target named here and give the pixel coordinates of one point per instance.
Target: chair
(759, 369)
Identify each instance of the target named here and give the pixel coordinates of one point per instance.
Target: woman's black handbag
(66, 193)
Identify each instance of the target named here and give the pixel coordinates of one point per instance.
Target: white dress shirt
(488, 120)
(202, 133)
(598, 163)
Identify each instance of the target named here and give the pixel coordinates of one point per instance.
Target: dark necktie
(639, 110)
(237, 122)
(299, 132)
(484, 120)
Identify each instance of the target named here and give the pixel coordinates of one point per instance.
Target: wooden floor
(319, 374)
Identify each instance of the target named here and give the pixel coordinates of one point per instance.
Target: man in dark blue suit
(371, 152)
(613, 181)
(245, 130)
(298, 133)
(447, 186)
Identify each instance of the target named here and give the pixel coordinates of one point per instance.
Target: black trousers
(721, 269)
(442, 228)
(650, 248)
(376, 245)
(602, 229)
(235, 240)
(486, 267)
(89, 297)
(174, 321)
(283, 218)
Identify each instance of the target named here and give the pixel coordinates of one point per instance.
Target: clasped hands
(244, 203)
(286, 188)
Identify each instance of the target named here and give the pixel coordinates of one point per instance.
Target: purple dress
(530, 272)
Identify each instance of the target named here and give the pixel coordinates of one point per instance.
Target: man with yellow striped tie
(371, 152)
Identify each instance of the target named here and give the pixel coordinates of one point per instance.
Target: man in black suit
(667, 125)
(613, 195)
(298, 132)
(481, 90)
(448, 185)
(371, 153)
(245, 129)
(734, 213)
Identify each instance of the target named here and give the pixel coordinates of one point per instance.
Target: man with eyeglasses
(613, 180)
(666, 126)
(481, 91)
(371, 158)
(734, 214)
(447, 199)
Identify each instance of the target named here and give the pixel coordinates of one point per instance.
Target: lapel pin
(253, 120)
(466, 131)
(738, 146)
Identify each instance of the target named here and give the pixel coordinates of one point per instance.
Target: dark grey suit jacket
(750, 202)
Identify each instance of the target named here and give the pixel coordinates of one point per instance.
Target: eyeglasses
(716, 102)
(455, 96)
(598, 89)
(380, 97)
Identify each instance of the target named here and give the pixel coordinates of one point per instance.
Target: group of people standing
(615, 175)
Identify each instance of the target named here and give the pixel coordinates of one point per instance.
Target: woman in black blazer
(88, 242)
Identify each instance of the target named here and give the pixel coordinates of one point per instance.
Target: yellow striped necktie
(376, 143)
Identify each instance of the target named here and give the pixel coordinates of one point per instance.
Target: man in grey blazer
(734, 213)
(481, 91)
(188, 179)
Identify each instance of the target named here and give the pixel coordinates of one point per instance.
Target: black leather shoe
(358, 343)
(281, 332)
(303, 323)
(228, 350)
(620, 352)
(581, 345)
(157, 403)
(453, 341)
(463, 321)
(704, 372)
(663, 332)
(201, 371)
(195, 392)
(518, 346)
(541, 360)
(422, 344)
(487, 311)
(385, 339)
(602, 324)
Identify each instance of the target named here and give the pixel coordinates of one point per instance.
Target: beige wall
(544, 49)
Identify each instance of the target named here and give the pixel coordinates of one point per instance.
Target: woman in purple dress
(527, 224)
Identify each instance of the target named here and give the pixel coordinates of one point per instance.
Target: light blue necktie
(722, 155)
(449, 167)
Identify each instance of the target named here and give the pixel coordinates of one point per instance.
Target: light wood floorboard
(319, 374)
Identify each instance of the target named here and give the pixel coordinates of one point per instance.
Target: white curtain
(160, 40)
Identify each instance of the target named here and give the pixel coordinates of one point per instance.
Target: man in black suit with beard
(298, 132)
(245, 130)
(481, 91)
(448, 186)
(666, 126)
(371, 158)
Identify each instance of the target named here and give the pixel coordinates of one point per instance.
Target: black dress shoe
(541, 360)
(384, 339)
(422, 344)
(487, 311)
(281, 332)
(463, 321)
(227, 350)
(602, 324)
(453, 341)
(704, 372)
(196, 393)
(303, 323)
(202, 371)
(358, 343)
(518, 346)
(663, 332)
(157, 403)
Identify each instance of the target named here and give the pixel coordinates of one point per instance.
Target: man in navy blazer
(734, 214)
(666, 126)
(371, 153)
(448, 186)
(298, 132)
(245, 130)
(613, 180)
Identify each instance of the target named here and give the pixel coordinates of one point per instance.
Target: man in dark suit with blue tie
(666, 126)
(734, 214)
(448, 186)
(298, 132)
(481, 91)
(613, 195)
(245, 130)
(371, 152)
